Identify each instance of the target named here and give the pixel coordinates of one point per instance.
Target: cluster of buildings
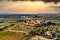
(39, 23)
(32, 22)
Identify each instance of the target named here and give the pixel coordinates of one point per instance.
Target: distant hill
(42, 16)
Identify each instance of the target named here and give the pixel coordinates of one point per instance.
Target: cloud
(55, 1)
(29, 7)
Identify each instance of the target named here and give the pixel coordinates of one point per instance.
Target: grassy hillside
(11, 35)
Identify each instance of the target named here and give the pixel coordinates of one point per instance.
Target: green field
(8, 33)
(19, 31)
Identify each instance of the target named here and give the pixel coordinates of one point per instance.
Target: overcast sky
(29, 7)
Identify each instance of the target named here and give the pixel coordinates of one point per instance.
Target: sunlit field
(11, 35)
